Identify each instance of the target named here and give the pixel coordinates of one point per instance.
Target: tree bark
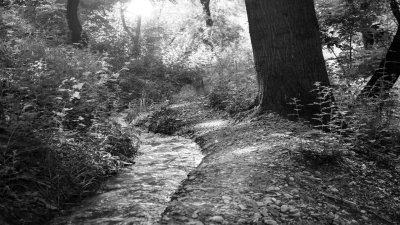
(77, 35)
(128, 30)
(135, 38)
(136, 41)
(209, 23)
(287, 54)
(207, 12)
(388, 71)
(124, 25)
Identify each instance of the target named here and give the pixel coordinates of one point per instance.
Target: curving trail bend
(140, 193)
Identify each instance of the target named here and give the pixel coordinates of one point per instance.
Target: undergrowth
(369, 127)
(57, 141)
(232, 79)
(52, 150)
(163, 120)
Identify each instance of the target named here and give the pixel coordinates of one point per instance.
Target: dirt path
(251, 174)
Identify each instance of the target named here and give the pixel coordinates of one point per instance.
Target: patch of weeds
(327, 143)
(219, 98)
(123, 145)
(231, 98)
(163, 121)
(369, 128)
(379, 139)
(322, 149)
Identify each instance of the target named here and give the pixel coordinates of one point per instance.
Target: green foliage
(230, 81)
(219, 98)
(350, 127)
(233, 99)
(63, 97)
(377, 122)
(328, 141)
(164, 121)
(369, 128)
(233, 84)
(344, 26)
(150, 79)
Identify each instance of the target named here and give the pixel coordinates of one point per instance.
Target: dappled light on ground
(244, 151)
(212, 124)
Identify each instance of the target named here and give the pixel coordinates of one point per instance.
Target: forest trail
(252, 173)
(140, 193)
(240, 174)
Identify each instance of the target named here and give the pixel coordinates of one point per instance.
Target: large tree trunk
(287, 53)
(389, 69)
(77, 36)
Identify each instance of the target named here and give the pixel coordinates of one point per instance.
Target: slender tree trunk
(127, 29)
(389, 69)
(135, 38)
(77, 36)
(207, 12)
(287, 54)
(206, 33)
(124, 25)
(136, 41)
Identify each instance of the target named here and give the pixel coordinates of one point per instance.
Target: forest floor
(252, 173)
